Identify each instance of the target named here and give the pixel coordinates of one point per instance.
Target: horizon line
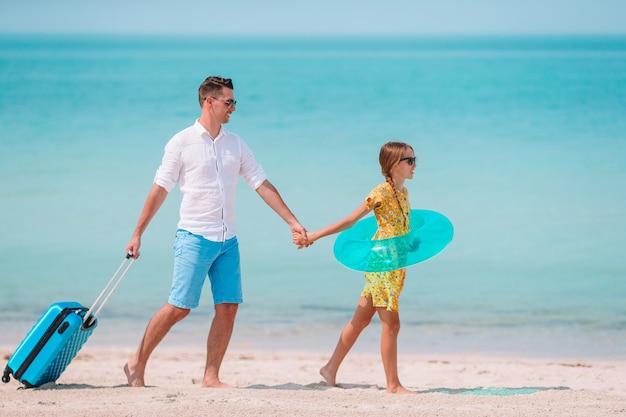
(319, 34)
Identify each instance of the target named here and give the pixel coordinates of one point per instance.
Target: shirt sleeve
(251, 171)
(168, 173)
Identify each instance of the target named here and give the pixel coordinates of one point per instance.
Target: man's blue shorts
(196, 257)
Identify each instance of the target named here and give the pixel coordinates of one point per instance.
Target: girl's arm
(341, 225)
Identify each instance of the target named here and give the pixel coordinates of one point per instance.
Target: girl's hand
(415, 245)
(300, 240)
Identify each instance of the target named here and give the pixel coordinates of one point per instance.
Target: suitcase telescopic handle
(107, 292)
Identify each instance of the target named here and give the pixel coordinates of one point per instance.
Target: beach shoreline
(287, 383)
(566, 342)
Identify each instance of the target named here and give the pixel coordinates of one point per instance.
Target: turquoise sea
(521, 144)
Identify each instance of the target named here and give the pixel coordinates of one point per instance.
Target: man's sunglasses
(230, 103)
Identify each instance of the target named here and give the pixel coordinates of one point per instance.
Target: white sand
(283, 383)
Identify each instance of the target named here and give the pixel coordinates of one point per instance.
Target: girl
(390, 202)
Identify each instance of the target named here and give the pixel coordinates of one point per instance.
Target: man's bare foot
(135, 378)
(399, 390)
(329, 376)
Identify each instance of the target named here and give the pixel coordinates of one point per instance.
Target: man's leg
(158, 327)
(217, 343)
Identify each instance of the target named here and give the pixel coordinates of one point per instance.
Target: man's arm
(272, 198)
(155, 199)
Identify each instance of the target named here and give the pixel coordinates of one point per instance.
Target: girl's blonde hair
(390, 155)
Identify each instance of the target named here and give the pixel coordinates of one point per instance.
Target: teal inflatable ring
(430, 234)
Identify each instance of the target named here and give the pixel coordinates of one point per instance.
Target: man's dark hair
(212, 86)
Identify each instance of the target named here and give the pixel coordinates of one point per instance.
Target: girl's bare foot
(329, 376)
(399, 390)
(216, 384)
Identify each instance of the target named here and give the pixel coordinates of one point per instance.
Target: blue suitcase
(57, 336)
(50, 345)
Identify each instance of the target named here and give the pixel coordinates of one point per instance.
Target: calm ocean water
(521, 143)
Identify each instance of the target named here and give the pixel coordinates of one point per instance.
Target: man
(206, 161)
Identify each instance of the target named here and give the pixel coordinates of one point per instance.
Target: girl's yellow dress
(392, 211)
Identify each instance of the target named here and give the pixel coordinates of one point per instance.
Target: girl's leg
(390, 322)
(362, 317)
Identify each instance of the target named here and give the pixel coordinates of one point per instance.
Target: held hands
(300, 240)
(300, 236)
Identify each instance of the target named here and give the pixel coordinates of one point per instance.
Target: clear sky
(315, 16)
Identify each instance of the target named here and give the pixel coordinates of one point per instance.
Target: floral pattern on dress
(392, 211)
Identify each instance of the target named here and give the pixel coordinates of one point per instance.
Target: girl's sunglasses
(409, 160)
